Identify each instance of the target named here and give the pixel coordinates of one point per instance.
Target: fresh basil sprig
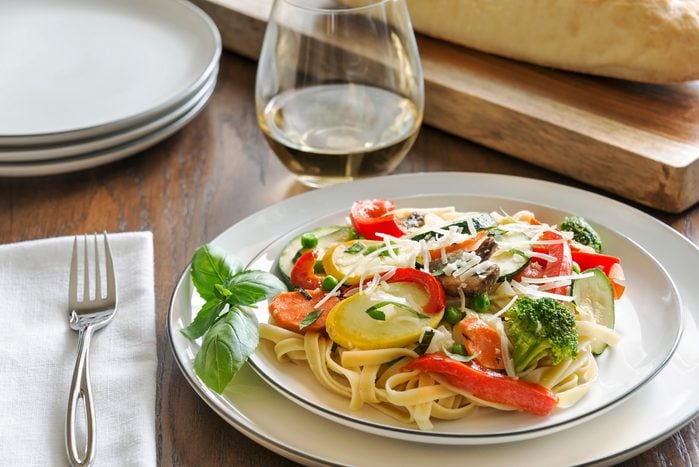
(230, 331)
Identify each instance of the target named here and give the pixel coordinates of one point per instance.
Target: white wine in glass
(339, 91)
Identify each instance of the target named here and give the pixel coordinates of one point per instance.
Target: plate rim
(167, 106)
(271, 441)
(47, 154)
(107, 155)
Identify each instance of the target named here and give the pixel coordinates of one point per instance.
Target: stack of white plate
(86, 82)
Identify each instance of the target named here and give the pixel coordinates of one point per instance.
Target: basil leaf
(210, 266)
(375, 313)
(310, 318)
(221, 292)
(249, 287)
(226, 347)
(204, 319)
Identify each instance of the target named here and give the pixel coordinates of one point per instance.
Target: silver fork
(87, 315)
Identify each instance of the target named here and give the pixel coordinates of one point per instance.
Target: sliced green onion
(305, 293)
(424, 342)
(355, 248)
(459, 357)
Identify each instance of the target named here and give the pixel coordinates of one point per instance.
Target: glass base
(320, 182)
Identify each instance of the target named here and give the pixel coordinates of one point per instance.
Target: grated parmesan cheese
(533, 291)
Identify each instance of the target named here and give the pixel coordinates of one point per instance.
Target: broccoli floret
(582, 232)
(538, 329)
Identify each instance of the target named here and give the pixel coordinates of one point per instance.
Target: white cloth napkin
(38, 351)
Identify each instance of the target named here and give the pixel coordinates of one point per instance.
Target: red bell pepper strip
(594, 260)
(369, 218)
(303, 275)
(437, 299)
(488, 385)
(534, 270)
(563, 264)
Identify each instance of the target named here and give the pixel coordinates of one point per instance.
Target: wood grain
(635, 140)
(194, 185)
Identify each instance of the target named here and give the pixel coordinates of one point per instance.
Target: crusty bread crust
(653, 41)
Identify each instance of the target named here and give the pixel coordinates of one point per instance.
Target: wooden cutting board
(639, 141)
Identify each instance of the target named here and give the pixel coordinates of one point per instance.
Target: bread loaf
(653, 41)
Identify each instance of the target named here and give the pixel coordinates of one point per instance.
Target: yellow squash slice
(350, 326)
(352, 259)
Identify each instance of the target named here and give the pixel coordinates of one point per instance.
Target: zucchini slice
(597, 293)
(512, 255)
(327, 236)
(482, 221)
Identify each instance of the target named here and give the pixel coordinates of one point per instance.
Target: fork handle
(80, 388)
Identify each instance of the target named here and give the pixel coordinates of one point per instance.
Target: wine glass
(339, 89)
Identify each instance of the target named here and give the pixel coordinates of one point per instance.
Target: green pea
(481, 303)
(459, 349)
(452, 315)
(329, 283)
(309, 240)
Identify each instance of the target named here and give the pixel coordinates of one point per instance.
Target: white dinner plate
(93, 145)
(649, 339)
(94, 159)
(82, 68)
(655, 411)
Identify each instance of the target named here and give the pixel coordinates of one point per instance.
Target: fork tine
(98, 273)
(86, 271)
(73, 283)
(111, 282)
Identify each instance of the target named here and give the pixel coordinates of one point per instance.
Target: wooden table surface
(194, 185)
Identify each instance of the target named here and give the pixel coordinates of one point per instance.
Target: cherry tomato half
(369, 217)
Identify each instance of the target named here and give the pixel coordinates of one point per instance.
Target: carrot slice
(288, 309)
(482, 341)
(616, 274)
(470, 244)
